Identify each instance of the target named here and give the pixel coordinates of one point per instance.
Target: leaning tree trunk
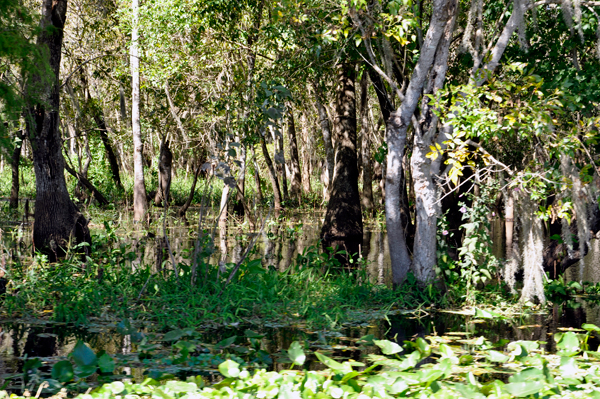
(140, 202)
(343, 221)
(272, 174)
(112, 159)
(57, 219)
(15, 162)
(296, 179)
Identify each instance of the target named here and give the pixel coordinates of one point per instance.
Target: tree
(57, 219)
(140, 202)
(343, 220)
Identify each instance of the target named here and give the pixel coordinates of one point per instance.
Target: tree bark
(140, 202)
(367, 166)
(272, 175)
(57, 219)
(15, 163)
(280, 163)
(343, 221)
(326, 132)
(165, 164)
(296, 177)
(259, 192)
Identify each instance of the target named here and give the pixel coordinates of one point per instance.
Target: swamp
(300, 199)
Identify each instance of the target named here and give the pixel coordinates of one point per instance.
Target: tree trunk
(280, 163)
(307, 151)
(343, 221)
(259, 192)
(272, 174)
(57, 219)
(296, 177)
(367, 170)
(165, 164)
(15, 162)
(424, 169)
(140, 202)
(112, 159)
(325, 130)
(424, 247)
(187, 204)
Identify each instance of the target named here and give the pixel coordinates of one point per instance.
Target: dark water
(280, 242)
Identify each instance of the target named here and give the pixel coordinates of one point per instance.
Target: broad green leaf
(522, 389)
(106, 364)
(63, 371)
(226, 342)
(590, 327)
(568, 343)
(229, 368)
(173, 335)
(497, 357)
(83, 356)
(296, 353)
(388, 347)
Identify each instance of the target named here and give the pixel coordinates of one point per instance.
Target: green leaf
(63, 371)
(497, 357)
(83, 356)
(590, 327)
(106, 364)
(568, 343)
(296, 354)
(388, 347)
(173, 335)
(226, 342)
(229, 369)
(522, 389)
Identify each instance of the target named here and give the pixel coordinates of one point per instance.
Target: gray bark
(140, 202)
(326, 132)
(296, 177)
(367, 166)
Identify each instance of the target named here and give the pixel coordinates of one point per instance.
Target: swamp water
(138, 350)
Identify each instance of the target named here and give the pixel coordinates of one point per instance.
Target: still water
(282, 239)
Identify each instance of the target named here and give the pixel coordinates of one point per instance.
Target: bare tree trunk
(140, 202)
(343, 221)
(367, 171)
(272, 174)
(424, 169)
(259, 192)
(57, 219)
(326, 132)
(306, 161)
(280, 163)
(296, 177)
(15, 162)
(165, 164)
(424, 249)
(187, 204)
(112, 159)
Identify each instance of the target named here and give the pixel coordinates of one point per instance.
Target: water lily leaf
(83, 356)
(63, 371)
(423, 347)
(180, 386)
(342, 368)
(388, 347)
(568, 343)
(468, 391)
(115, 387)
(229, 368)
(296, 353)
(106, 364)
(522, 389)
(590, 327)
(497, 357)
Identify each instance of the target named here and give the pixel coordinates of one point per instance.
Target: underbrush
(113, 284)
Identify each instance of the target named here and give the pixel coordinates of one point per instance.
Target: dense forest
(467, 131)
